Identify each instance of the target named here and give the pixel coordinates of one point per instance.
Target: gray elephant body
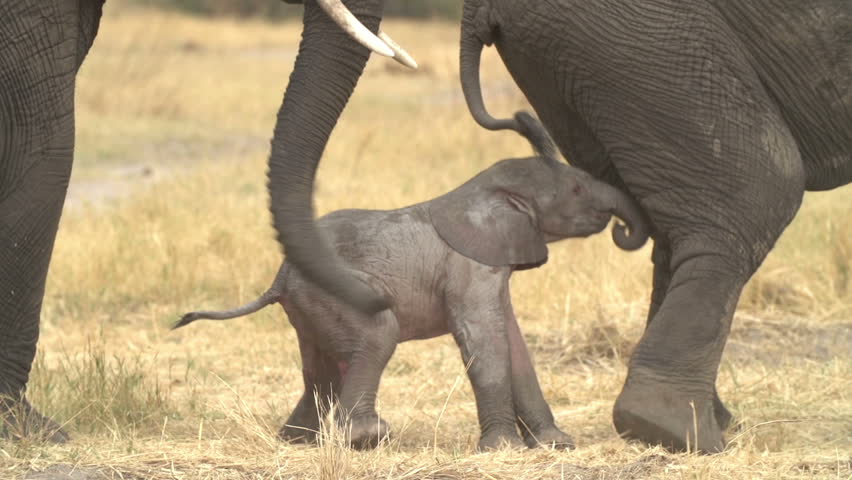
(43, 45)
(784, 67)
(716, 116)
(434, 291)
(444, 266)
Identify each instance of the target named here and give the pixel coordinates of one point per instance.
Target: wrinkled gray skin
(42, 44)
(716, 115)
(444, 265)
(736, 109)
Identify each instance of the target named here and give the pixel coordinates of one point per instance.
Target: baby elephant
(445, 265)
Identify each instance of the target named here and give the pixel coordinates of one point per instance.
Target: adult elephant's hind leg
(736, 193)
(668, 396)
(661, 258)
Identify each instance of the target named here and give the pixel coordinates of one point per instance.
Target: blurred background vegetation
(276, 9)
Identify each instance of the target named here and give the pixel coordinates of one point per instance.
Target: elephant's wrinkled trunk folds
(634, 235)
(327, 69)
(631, 237)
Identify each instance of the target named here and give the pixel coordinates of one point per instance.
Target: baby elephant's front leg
(534, 416)
(478, 327)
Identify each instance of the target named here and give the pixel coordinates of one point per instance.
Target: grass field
(168, 213)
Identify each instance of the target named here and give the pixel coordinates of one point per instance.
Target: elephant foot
(365, 432)
(297, 434)
(496, 439)
(19, 421)
(660, 414)
(724, 417)
(549, 437)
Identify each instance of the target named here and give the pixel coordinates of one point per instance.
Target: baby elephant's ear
(494, 227)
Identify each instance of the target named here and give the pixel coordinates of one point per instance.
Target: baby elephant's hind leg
(534, 416)
(364, 427)
(322, 385)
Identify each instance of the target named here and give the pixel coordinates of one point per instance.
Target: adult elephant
(42, 45)
(716, 115)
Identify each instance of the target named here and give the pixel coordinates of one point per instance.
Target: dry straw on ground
(169, 213)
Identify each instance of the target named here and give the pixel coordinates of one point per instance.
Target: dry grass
(185, 107)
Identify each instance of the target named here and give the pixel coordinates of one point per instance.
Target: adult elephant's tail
(474, 36)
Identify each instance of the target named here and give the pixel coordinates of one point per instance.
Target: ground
(168, 213)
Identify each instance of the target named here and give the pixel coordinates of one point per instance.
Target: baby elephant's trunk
(637, 229)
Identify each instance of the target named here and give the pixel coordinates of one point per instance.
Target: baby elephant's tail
(267, 298)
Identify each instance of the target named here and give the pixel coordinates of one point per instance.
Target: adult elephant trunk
(637, 229)
(327, 69)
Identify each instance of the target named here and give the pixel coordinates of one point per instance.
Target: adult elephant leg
(322, 385)
(661, 257)
(669, 397)
(361, 380)
(44, 44)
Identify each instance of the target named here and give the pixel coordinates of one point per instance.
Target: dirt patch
(828, 469)
(156, 162)
(603, 341)
(752, 339)
(645, 467)
(770, 341)
(66, 472)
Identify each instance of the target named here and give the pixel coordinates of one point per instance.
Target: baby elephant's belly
(420, 325)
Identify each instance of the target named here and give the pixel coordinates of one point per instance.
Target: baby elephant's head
(575, 204)
(507, 213)
(571, 203)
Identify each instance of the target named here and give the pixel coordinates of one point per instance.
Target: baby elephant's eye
(578, 189)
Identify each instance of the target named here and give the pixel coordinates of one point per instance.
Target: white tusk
(400, 55)
(344, 18)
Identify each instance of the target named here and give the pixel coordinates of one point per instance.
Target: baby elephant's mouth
(581, 226)
(598, 222)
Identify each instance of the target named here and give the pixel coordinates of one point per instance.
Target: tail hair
(535, 133)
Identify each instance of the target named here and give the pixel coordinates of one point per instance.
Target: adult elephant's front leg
(43, 45)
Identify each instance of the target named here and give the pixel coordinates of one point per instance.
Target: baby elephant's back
(395, 251)
(381, 242)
